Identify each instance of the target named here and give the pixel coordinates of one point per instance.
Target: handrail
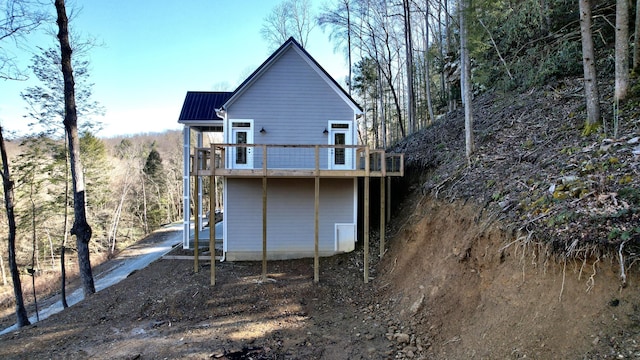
(312, 157)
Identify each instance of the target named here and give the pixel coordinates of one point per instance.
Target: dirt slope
(462, 283)
(451, 286)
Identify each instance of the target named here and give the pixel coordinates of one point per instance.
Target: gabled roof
(291, 42)
(202, 105)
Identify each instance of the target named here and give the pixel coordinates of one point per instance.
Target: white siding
(290, 216)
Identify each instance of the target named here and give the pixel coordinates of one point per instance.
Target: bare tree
(465, 79)
(589, 66)
(340, 20)
(622, 59)
(411, 105)
(622, 49)
(21, 312)
(636, 38)
(80, 228)
(19, 17)
(291, 18)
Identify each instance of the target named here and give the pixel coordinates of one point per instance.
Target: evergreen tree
(156, 206)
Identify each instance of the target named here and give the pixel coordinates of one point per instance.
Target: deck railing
(294, 160)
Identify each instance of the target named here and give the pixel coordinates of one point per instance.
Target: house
(289, 160)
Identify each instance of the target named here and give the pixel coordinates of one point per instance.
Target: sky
(156, 51)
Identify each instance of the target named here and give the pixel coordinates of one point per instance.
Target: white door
(340, 158)
(242, 156)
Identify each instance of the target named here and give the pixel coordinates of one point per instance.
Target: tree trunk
(636, 39)
(346, 4)
(145, 220)
(589, 66)
(21, 311)
(465, 80)
(382, 111)
(3, 270)
(622, 49)
(411, 105)
(80, 228)
(426, 64)
(63, 249)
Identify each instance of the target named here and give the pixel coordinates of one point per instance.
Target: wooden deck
(301, 161)
(296, 161)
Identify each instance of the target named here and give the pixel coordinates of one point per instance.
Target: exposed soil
(512, 256)
(451, 286)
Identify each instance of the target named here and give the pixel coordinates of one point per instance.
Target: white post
(199, 223)
(186, 186)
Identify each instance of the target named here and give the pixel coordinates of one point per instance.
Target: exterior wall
(292, 102)
(290, 216)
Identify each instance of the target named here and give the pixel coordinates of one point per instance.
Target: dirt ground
(452, 285)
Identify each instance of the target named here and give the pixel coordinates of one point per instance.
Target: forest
(411, 62)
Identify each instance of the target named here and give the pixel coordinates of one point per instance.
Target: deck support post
(264, 213)
(388, 200)
(316, 256)
(366, 214)
(196, 230)
(383, 175)
(212, 216)
(186, 186)
(382, 215)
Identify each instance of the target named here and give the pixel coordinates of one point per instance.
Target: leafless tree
(81, 228)
(622, 59)
(465, 78)
(636, 38)
(589, 65)
(21, 312)
(17, 19)
(290, 18)
(340, 19)
(411, 105)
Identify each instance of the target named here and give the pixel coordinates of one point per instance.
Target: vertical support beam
(382, 214)
(196, 230)
(186, 186)
(388, 200)
(264, 213)
(366, 215)
(316, 256)
(212, 216)
(200, 159)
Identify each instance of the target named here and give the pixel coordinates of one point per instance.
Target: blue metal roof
(202, 105)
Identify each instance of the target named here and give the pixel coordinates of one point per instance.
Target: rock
(402, 338)
(417, 304)
(410, 348)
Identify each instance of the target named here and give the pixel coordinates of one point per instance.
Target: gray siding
(292, 102)
(290, 214)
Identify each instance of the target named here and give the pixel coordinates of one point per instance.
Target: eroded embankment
(473, 289)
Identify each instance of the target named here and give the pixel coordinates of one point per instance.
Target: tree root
(623, 275)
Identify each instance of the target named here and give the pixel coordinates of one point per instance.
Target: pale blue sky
(156, 51)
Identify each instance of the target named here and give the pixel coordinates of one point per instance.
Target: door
(340, 158)
(242, 156)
